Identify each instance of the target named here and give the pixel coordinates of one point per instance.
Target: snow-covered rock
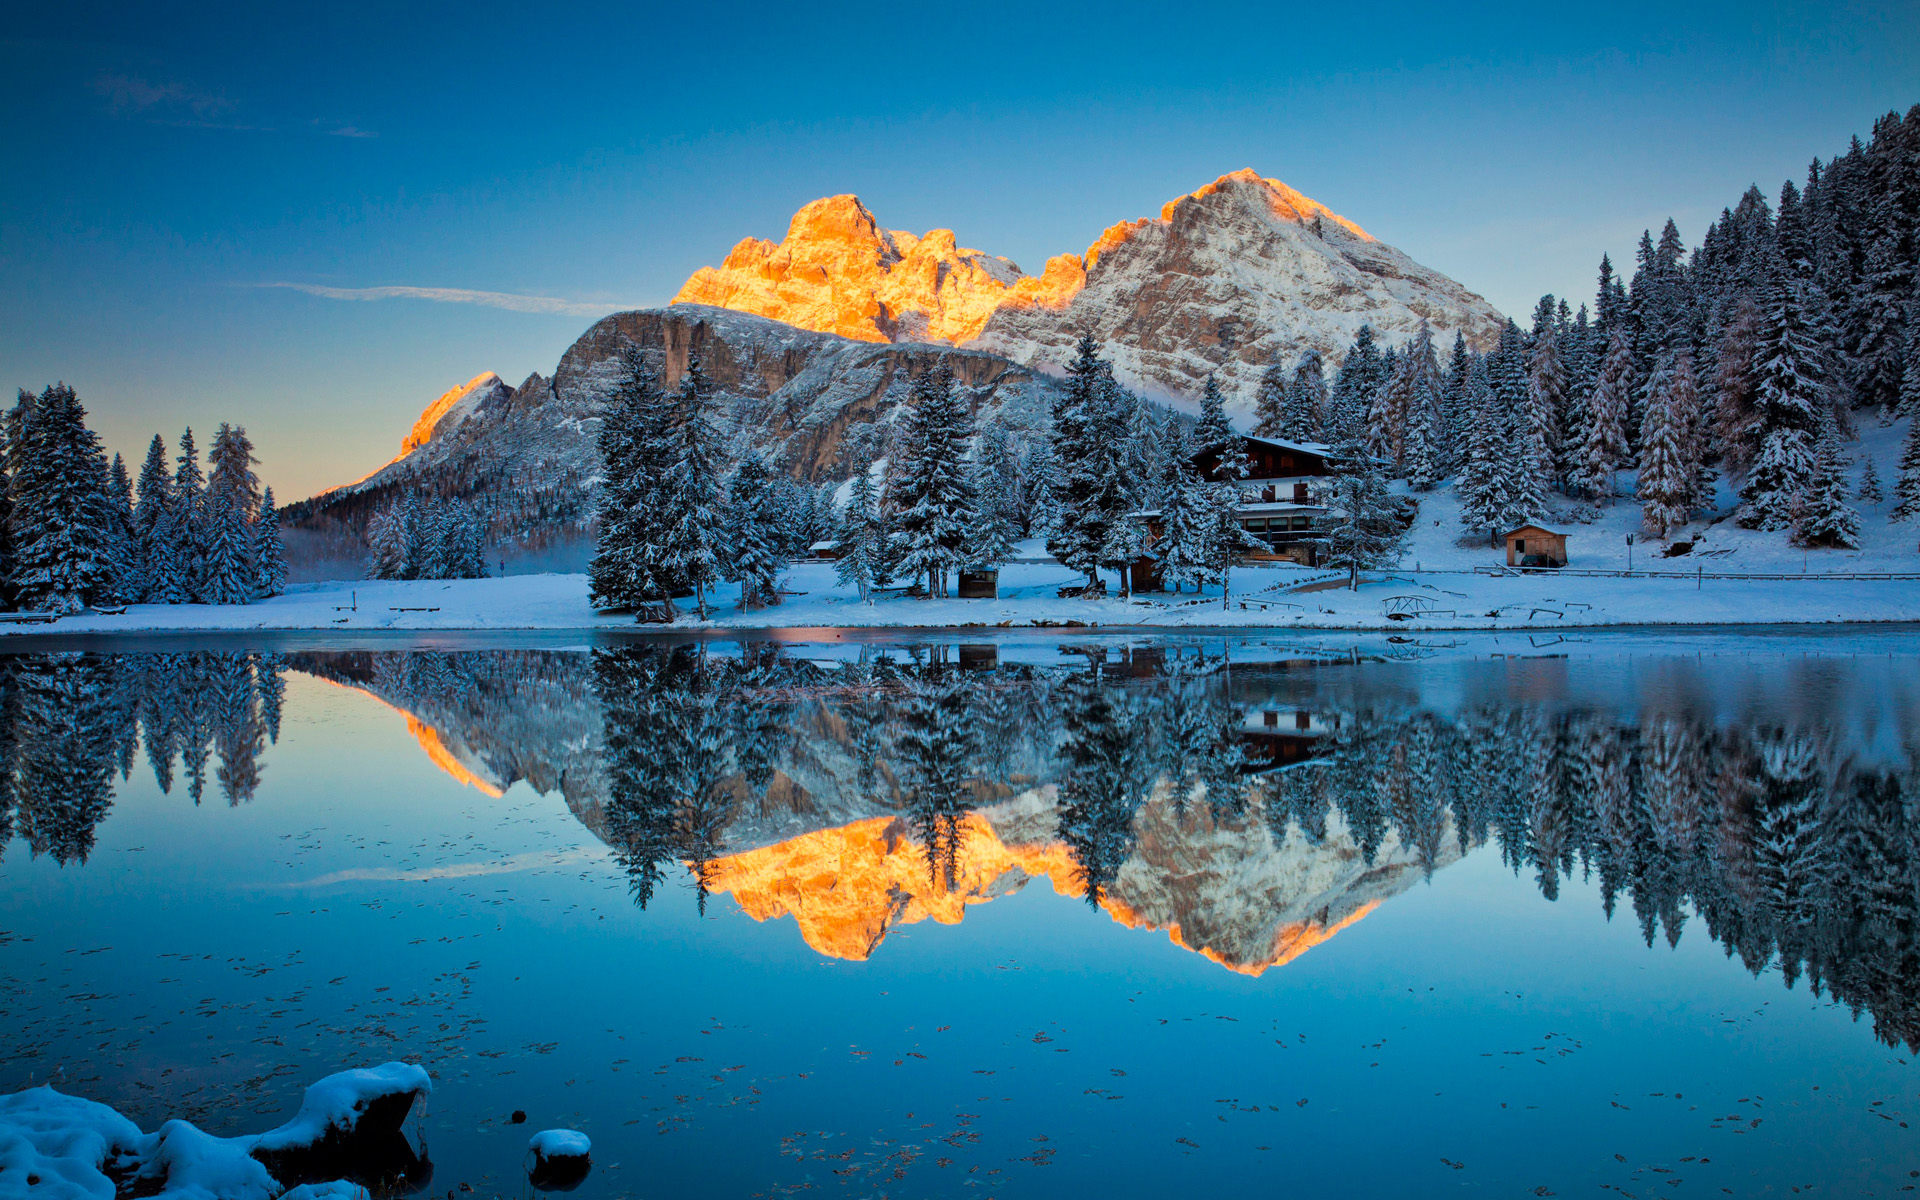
(59, 1147)
(560, 1143)
(1227, 279)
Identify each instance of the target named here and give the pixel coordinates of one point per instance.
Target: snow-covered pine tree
(1665, 478)
(127, 566)
(1353, 387)
(189, 517)
(1789, 395)
(688, 547)
(1227, 541)
(1091, 490)
(1184, 530)
(1270, 403)
(998, 485)
(63, 553)
(1547, 393)
(1213, 432)
(1305, 415)
(472, 560)
(754, 560)
(617, 574)
(1605, 448)
(1146, 448)
(1523, 482)
(1886, 293)
(1362, 523)
(1736, 372)
(388, 554)
(1909, 402)
(271, 579)
(1393, 406)
(933, 505)
(157, 541)
(1427, 449)
(1458, 412)
(1826, 519)
(861, 539)
(1870, 490)
(1696, 430)
(996, 527)
(1483, 480)
(1906, 485)
(228, 570)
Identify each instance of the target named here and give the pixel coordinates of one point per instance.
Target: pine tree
(1547, 396)
(1735, 376)
(688, 546)
(1363, 527)
(1909, 402)
(1360, 376)
(1605, 448)
(1214, 433)
(1483, 481)
(155, 527)
(1184, 530)
(189, 518)
(627, 514)
(1826, 519)
(59, 526)
(1227, 541)
(1906, 488)
(271, 579)
(754, 560)
(387, 551)
(231, 504)
(861, 539)
(998, 491)
(1091, 491)
(1305, 416)
(1665, 478)
(933, 498)
(1270, 404)
(1789, 395)
(128, 574)
(1870, 490)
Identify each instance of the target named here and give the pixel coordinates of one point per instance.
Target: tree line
(76, 533)
(1751, 357)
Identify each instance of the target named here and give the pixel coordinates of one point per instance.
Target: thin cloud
(132, 96)
(510, 301)
(351, 132)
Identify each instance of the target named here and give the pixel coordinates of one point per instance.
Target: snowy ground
(1453, 601)
(1438, 568)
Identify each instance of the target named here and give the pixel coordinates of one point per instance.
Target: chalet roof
(1260, 508)
(1534, 529)
(1317, 448)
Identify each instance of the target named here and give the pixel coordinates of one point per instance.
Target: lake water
(1630, 916)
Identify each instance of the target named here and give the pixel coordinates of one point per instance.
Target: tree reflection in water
(1790, 831)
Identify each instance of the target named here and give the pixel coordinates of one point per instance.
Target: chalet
(1536, 546)
(1282, 500)
(1275, 739)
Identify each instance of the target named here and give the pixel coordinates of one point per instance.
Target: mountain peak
(1235, 275)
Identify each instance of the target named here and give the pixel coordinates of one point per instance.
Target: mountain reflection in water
(1250, 810)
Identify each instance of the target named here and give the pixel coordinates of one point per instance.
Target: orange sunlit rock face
(838, 272)
(1227, 892)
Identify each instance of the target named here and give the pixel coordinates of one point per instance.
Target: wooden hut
(1536, 546)
(980, 584)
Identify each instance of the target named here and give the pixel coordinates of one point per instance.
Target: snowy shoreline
(1263, 600)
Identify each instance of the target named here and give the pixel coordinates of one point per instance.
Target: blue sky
(165, 166)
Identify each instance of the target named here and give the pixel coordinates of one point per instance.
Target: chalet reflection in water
(860, 790)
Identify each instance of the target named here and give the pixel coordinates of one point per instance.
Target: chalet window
(1520, 546)
(1286, 462)
(1299, 493)
(1273, 718)
(1300, 720)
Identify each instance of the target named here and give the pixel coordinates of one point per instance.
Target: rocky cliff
(1228, 279)
(528, 453)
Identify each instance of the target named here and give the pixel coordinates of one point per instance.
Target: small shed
(980, 584)
(826, 551)
(1536, 546)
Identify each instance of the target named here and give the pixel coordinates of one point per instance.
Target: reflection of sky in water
(210, 961)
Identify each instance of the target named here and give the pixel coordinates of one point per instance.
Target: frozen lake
(885, 915)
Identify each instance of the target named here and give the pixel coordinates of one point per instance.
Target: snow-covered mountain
(1227, 279)
(528, 453)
